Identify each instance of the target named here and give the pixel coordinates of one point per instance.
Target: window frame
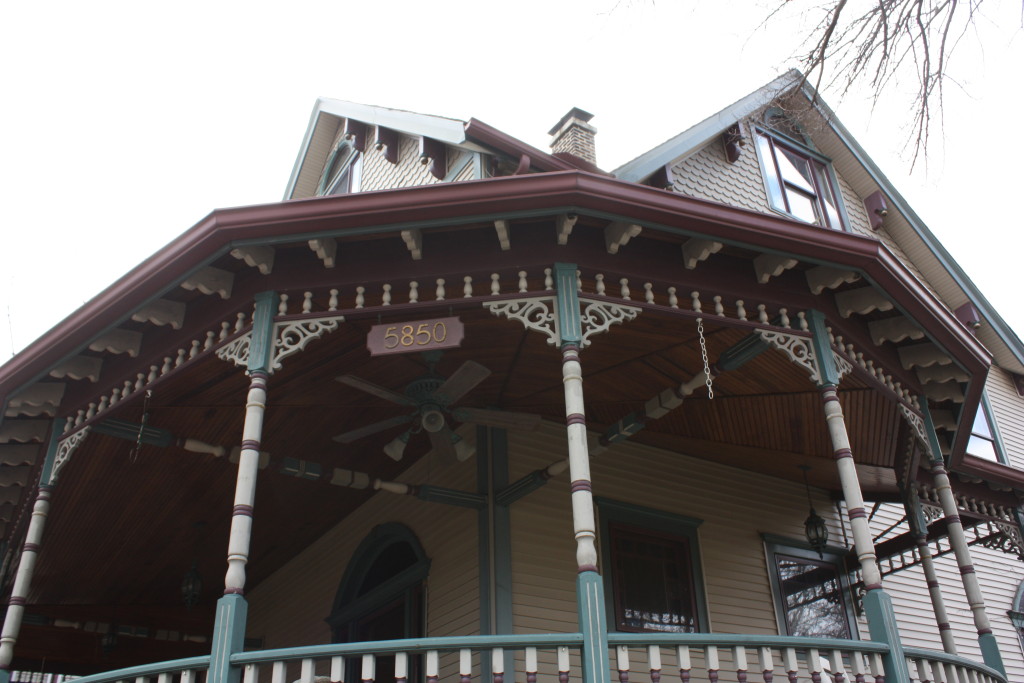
(657, 523)
(985, 411)
(775, 183)
(778, 545)
(344, 164)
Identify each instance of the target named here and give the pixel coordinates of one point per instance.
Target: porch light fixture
(192, 586)
(814, 525)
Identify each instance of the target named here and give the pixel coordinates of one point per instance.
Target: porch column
(919, 527)
(232, 609)
(962, 552)
(589, 585)
(877, 603)
(29, 554)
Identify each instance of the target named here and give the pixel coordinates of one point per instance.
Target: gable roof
(1006, 345)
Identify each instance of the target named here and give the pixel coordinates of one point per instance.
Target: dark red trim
(576, 419)
(456, 202)
(580, 485)
(492, 137)
(242, 510)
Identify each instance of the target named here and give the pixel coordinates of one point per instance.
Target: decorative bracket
(65, 448)
(290, 337)
(537, 314)
(799, 350)
(916, 423)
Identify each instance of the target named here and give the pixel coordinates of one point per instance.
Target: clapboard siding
(289, 608)
(998, 574)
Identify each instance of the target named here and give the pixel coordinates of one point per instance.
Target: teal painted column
(877, 604)
(232, 609)
(589, 585)
(962, 551)
(29, 554)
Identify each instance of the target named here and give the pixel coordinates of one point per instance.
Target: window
(1016, 614)
(984, 441)
(343, 170)
(812, 594)
(798, 182)
(652, 570)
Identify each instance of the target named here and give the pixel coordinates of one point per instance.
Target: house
(458, 407)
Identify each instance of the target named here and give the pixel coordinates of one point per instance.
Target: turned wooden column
(919, 528)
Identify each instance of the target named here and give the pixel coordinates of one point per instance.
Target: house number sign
(418, 335)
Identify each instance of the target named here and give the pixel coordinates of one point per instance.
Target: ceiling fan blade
(442, 442)
(461, 382)
(355, 434)
(376, 390)
(497, 418)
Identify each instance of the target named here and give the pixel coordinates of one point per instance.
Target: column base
(228, 638)
(593, 626)
(989, 652)
(882, 626)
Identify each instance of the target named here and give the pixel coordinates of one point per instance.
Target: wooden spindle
(307, 669)
(741, 312)
(531, 665)
(762, 315)
(579, 281)
(401, 667)
(282, 308)
(924, 670)
(719, 308)
(683, 659)
(599, 286)
(498, 665)
(194, 351)
(739, 658)
(549, 282)
(307, 302)
(624, 288)
(337, 669)
(783, 318)
(802, 317)
(495, 284)
(277, 674)
(385, 297)
(711, 659)
(369, 668)
(188, 676)
(180, 359)
(766, 663)
(838, 668)
(622, 662)
(432, 667)
(360, 297)
(414, 292)
(250, 674)
(563, 664)
(791, 664)
(695, 301)
(673, 300)
(210, 341)
(332, 302)
(465, 665)
(239, 322)
(523, 287)
(467, 287)
(654, 661)
(648, 293)
(439, 290)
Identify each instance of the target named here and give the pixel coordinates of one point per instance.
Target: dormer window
(343, 171)
(799, 183)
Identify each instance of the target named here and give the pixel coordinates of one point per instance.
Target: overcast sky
(124, 123)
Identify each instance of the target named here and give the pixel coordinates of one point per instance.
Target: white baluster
(624, 289)
(210, 341)
(80, 418)
(622, 659)
(180, 359)
(739, 658)
(683, 658)
(467, 288)
(711, 657)
(239, 322)
(838, 668)
(563, 659)
(765, 661)
(332, 302)
(401, 666)
(599, 284)
(498, 662)
(225, 331)
(338, 669)
(719, 308)
(439, 290)
(369, 669)
(695, 301)
(522, 281)
(579, 282)
(282, 308)
(414, 292)
(789, 662)
(648, 294)
(530, 666)
(802, 317)
(783, 318)
(495, 285)
(307, 302)
(154, 372)
(360, 297)
(103, 404)
(188, 676)
(385, 298)
(762, 315)
(194, 351)
(813, 662)
(250, 674)
(308, 670)
(673, 300)
(277, 674)
(140, 381)
(741, 312)
(549, 282)
(465, 662)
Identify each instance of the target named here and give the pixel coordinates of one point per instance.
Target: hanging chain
(704, 356)
(133, 456)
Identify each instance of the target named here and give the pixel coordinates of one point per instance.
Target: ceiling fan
(431, 398)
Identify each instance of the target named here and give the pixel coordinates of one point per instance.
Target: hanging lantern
(814, 526)
(192, 586)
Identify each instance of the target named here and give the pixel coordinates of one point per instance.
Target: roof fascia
(503, 142)
(961, 278)
(697, 136)
(574, 190)
(303, 150)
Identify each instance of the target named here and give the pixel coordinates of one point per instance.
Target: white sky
(124, 123)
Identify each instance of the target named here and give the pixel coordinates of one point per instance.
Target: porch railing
(637, 657)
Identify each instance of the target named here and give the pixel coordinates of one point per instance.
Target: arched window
(1016, 613)
(381, 593)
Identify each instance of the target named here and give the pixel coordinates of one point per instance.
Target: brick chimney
(574, 135)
